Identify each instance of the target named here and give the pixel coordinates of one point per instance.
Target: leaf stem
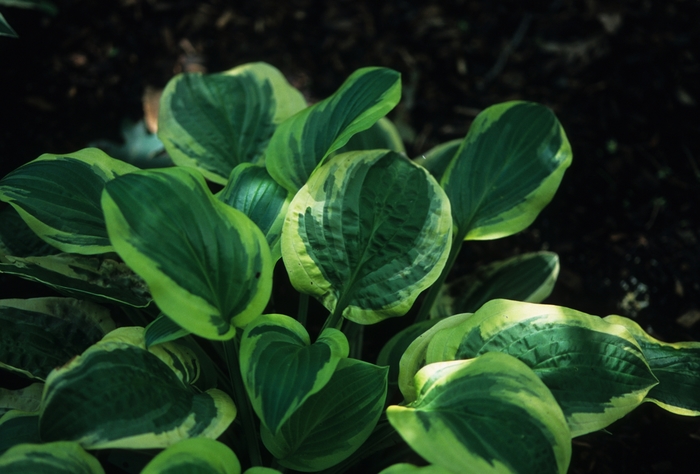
(303, 308)
(431, 296)
(231, 352)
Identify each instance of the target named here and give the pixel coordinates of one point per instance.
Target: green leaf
(6, 29)
(304, 140)
(382, 135)
(596, 370)
(17, 239)
(507, 169)
(41, 5)
(333, 422)
(528, 277)
(18, 427)
(58, 196)
(118, 394)
(214, 122)
(251, 190)
(367, 234)
(25, 399)
(404, 468)
(281, 368)
(39, 334)
(163, 329)
(195, 455)
(393, 350)
(437, 159)
(676, 365)
(98, 277)
(491, 414)
(62, 457)
(207, 265)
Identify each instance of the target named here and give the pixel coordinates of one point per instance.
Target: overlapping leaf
(491, 414)
(207, 265)
(251, 190)
(18, 427)
(595, 369)
(58, 196)
(39, 334)
(59, 457)
(214, 122)
(676, 365)
(366, 234)
(281, 369)
(333, 422)
(305, 139)
(118, 394)
(507, 169)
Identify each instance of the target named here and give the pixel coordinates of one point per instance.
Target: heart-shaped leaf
(367, 234)
(301, 142)
(507, 169)
(207, 265)
(281, 369)
(58, 196)
(214, 122)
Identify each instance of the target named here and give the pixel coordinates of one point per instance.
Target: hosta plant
(279, 299)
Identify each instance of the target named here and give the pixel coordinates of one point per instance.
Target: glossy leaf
(281, 368)
(302, 142)
(18, 427)
(596, 370)
(393, 350)
(367, 234)
(97, 277)
(206, 264)
(118, 394)
(58, 196)
(334, 422)
(18, 239)
(6, 29)
(195, 455)
(676, 365)
(61, 457)
(251, 190)
(507, 169)
(528, 277)
(214, 122)
(486, 415)
(39, 334)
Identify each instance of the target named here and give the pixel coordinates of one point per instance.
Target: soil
(622, 76)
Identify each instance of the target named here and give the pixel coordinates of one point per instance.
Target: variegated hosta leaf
(18, 427)
(251, 190)
(382, 135)
(98, 277)
(367, 234)
(39, 334)
(163, 329)
(25, 399)
(333, 422)
(118, 394)
(305, 139)
(58, 196)
(213, 122)
(281, 369)
(195, 455)
(393, 350)
(595, 369)
(413, 357)
(507, 169)
(206, 264)
(676, 365)
(486, 415)
(528, 277)
(437, 159)
(61, 457)
(18, 239)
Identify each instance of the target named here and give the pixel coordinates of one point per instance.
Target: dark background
(622, 76)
